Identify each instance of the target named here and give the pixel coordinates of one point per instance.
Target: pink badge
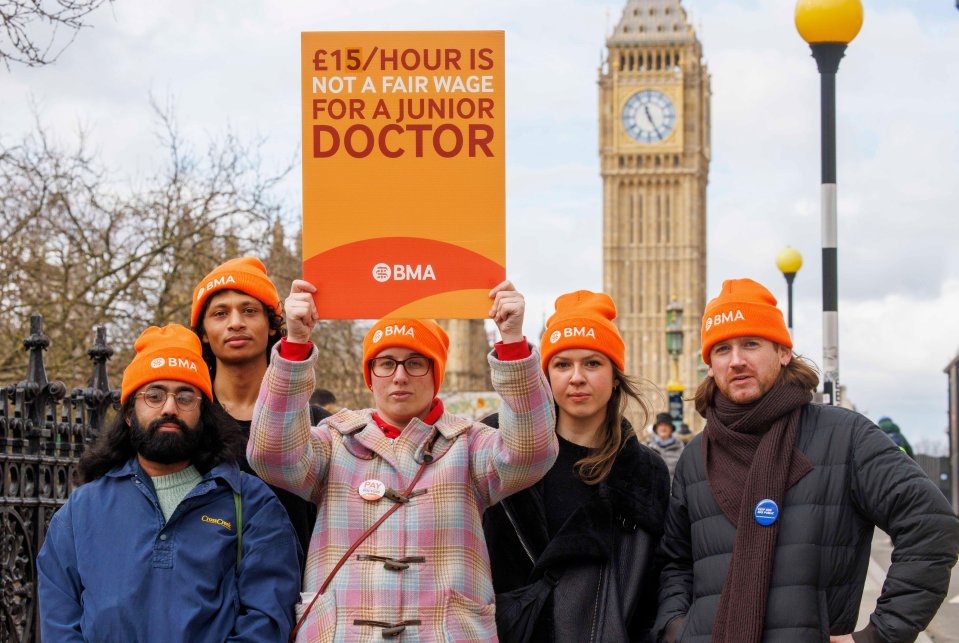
(372, 490)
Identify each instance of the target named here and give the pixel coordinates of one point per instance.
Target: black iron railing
(43, 431)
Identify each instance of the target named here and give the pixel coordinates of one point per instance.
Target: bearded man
(773, 505)
(166, 540)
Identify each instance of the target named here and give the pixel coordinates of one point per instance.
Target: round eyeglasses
(417, 366)
(156, 397)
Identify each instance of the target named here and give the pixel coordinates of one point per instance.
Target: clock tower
(654, 157)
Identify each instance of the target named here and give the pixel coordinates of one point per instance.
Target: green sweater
(172, 489)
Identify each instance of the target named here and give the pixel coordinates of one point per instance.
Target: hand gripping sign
(403, 172)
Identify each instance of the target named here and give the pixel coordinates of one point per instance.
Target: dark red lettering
(480, 136)
(386, 151)
(485, 108)
(419, 129)
(356, 109)
(438, 140)
(452, 58)
(350, 135)
(486, 58)
(318, 151)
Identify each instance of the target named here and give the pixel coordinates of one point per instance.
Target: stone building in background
(654, 97)
(466, 367)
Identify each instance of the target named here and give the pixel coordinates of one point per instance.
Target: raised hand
(301, 315)
(507, 312)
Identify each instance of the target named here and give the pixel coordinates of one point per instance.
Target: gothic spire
(652, 22)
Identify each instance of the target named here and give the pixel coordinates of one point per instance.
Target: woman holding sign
(402, 487)
(572, 555)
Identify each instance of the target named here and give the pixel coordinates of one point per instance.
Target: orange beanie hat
(744, 308)
(583, 319)
(246, 274)
(169, 353)
(421, 335)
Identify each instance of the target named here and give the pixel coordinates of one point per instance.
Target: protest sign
(403, 172)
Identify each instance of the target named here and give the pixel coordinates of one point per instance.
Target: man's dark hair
(220, 441)
(275, 323)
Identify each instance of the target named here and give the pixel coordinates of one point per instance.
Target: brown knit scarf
(750, 455)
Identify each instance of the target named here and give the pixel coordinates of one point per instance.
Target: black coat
(603, 555)
(859, 479)
(302, 512)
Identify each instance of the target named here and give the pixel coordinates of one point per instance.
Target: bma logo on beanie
(583, 319)
(393, 330)
(744, 308)
(218, 282)
(174, 362)
(168, 353)
(572, 331)
(243, 274)
(722, 318)
(423, 336)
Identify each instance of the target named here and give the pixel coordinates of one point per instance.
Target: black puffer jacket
(603, 555)
(859, 479)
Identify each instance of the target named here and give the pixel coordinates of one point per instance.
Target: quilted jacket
(859, 479)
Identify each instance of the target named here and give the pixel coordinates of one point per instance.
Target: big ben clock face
(649, 116)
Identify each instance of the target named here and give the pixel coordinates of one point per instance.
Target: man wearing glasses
(398, 547)
(166, 540)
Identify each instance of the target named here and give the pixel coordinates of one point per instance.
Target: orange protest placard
(403, 172)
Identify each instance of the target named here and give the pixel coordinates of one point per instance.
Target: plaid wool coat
(437, 537)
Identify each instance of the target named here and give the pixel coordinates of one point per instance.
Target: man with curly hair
(237, 315)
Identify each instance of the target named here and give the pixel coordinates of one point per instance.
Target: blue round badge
(766, 512)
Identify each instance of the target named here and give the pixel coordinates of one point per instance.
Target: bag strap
(427, 459)
(238, 505)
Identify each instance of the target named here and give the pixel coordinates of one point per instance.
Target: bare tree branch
(36, 32)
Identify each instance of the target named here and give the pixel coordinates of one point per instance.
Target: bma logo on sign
(219, 282)
(393, 330)
(722, 318)
(403, 272)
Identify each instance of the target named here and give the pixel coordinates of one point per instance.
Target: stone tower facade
(654, 156)
(466, 367)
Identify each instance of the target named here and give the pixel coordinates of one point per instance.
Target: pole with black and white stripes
(829, 26)
(827, 57)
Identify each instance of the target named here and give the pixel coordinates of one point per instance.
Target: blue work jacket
(112, 569)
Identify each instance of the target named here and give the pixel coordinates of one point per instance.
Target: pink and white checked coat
(437, 537)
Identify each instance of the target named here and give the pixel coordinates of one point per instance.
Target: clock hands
(651, 121)
(648, 116)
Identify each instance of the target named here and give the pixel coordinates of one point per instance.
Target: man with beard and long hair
(165, 540)
(774, 504)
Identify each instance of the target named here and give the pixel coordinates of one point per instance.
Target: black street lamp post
(828, 26)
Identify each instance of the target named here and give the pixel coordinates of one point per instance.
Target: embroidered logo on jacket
(217, 521)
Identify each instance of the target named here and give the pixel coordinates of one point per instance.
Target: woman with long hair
(572, 556)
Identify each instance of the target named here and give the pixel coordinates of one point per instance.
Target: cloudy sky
(234, 64)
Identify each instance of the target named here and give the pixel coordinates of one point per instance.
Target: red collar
(390, 431)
